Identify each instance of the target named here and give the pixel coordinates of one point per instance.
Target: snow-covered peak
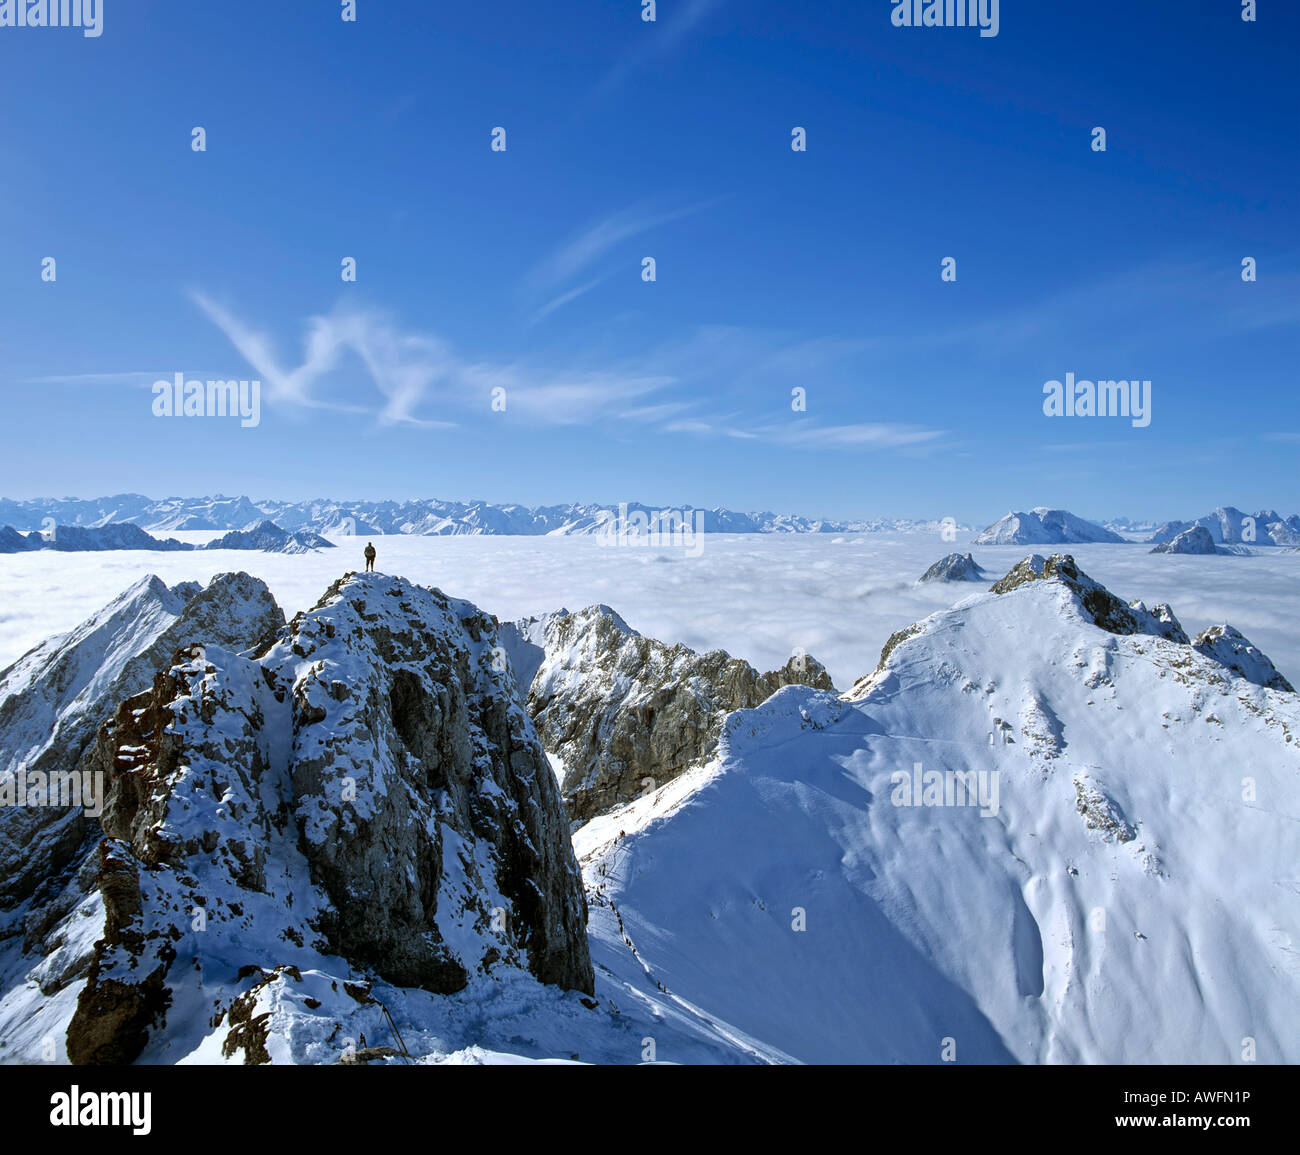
(1044, 526)
(1228, 525)
(271, 538)
(1196, 540)
(956, 567)
(1025, 823)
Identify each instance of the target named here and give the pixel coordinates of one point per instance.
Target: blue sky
(626, 139)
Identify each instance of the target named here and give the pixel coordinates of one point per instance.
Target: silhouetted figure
(370, 557)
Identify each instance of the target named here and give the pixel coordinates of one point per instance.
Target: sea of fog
(760, 597)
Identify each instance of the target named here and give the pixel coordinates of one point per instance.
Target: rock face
(1043, 526)
(455, 801)
(367, 789)
(54, 697)
(1196, 540)
(621, 713)
(956, 567)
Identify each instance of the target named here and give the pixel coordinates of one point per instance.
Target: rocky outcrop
(1097, 603)
(1101, 812)
(53, 699)
(367, 789)
(453, 799)
(956, 567)
(621, 713)
(1233, 650)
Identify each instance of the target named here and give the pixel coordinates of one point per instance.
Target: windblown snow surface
(1132, 900)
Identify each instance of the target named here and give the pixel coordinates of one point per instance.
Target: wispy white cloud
(883, 435)
(564, 298)
(562, 398)
(142, 378)
(655, 413)
(1132, 311)
(657, 40)
(322, 345)
(403, 366)
(661, 389)
(590, 245)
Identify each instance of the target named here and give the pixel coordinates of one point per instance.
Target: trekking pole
(397, 1035)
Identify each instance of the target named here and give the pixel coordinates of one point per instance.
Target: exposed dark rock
(624, 713)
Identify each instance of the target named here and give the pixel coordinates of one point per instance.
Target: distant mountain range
(1226, 526)
(432, 517)
(425, 517)
(265, 536)
(1229, 526)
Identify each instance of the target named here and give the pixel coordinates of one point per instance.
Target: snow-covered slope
(1126, 892)
(1043, 526)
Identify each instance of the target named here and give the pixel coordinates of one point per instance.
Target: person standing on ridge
(370, 557)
